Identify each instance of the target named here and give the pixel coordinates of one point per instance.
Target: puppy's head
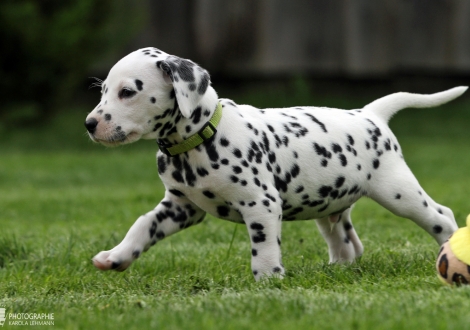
(144, 96)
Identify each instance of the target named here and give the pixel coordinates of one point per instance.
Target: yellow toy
(453, 261)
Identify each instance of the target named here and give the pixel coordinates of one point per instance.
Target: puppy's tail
(387, 106)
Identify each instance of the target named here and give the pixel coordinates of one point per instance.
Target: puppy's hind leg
(400, 193)
(343, 243)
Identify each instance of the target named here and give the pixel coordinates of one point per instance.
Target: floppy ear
(189, 80)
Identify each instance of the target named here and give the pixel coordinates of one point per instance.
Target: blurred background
(293, 50)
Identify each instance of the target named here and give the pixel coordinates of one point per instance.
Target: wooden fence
(329, 37)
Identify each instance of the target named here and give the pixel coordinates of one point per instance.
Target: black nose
(91, 124)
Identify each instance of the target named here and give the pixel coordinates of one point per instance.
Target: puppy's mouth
(117, 139)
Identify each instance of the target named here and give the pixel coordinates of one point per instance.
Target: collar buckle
(201, 131)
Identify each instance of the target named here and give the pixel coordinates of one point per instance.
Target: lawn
(63, 199)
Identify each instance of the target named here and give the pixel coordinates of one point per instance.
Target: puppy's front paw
(274, 272)
(107, 260)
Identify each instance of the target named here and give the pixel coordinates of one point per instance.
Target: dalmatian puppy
(257, 167)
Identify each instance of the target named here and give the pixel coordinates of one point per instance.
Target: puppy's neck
(202, 113)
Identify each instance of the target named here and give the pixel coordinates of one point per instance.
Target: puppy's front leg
(170, 216)
(265, 235)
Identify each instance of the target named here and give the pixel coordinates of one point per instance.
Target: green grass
(63, 199)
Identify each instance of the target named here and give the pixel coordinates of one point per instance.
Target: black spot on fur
(184, 69)
(190, 176)
(376, 163)
(259, 237)
(211, 150)
(336, 148)
(343, 192)
(202, 171)
(350, 140)
(339, 181)
(321, 151)
(324, 191)
(347, 226)
(177, 176)
(153, 229)
(161, 164)
(237, 153)
(437, 229)
(295, 170)
(176, 192)
(315, 120)
(139, 84)
(223, 211)
(196, 115)
(280, 184)
(203, 84)
(387, 145)
(237, 169)
(208, 194)
(224, 142)
(272, 157)
(397, 196)
(276, 270)
(167, 204)
(256, 226)
(136, 254)
(353, 190)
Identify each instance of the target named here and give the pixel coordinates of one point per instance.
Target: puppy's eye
(126, 93)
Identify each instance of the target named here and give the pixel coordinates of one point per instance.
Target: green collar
(204, 134)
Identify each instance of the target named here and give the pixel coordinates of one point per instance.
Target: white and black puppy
(257, 167)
